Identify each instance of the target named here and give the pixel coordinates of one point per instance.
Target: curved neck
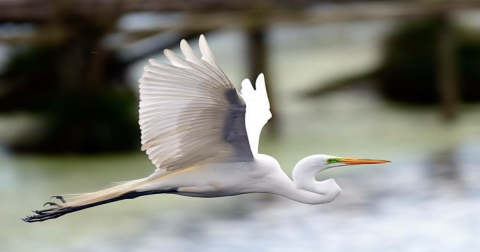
(304, 188)
(305, 171)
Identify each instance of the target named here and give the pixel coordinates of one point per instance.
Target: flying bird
(202, 135)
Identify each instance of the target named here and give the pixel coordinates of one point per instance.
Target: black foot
(43, 211)
(59, 198)
(51, 213)
(51, 204)
(48, 214)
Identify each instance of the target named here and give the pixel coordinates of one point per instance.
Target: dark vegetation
(76, 86)
(409, 70)
(409, 73)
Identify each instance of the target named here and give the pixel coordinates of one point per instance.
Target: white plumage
(258, 110)
(203, 136)
(185, 111)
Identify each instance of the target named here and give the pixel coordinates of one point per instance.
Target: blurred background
(395, 80)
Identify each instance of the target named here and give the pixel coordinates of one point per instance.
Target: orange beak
(359, 161)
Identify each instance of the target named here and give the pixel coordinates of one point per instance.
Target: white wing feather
(190, 112)
(258, 110)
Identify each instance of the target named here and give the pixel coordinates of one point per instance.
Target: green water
(365, 130)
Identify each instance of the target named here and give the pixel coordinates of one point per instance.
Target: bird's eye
(332, 160)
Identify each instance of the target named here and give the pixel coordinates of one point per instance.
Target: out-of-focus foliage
(409, 70)
(81, 115)
(91, 122)
(30, 80)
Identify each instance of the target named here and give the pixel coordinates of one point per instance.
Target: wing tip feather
(153, 62)
(168, 52)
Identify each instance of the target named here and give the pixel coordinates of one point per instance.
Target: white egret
(202, 136)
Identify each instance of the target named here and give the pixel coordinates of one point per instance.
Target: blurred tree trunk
(447, 69)
(258, 56)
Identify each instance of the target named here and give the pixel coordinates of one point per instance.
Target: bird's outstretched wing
(190, 113)
(258, 110)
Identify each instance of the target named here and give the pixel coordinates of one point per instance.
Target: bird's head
(317, 163)
(305, 171)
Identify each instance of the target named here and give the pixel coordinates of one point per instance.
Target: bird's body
(220, 179)
(263, 175)
(202, 136)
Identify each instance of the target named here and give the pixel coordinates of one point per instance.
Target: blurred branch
(221, 14)
(342, 83)
(156, 44)
(211, 12)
